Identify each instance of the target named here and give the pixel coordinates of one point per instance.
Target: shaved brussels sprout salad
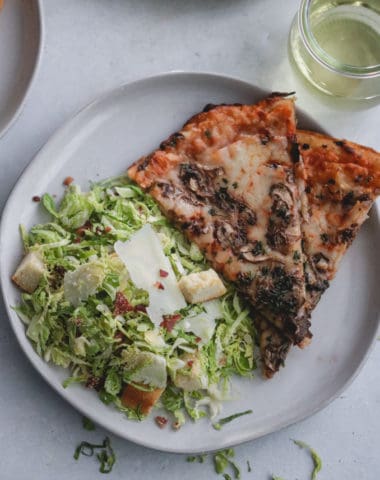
(88, 316)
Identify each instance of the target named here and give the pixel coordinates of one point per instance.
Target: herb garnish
(222, 460)
(324, 237)
(249, 469)
(225, 420)
(106, 456)
(296, 255)
(196, 458)
(314, 455)
(88, 424)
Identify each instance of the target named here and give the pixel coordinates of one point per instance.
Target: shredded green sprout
(314, 455)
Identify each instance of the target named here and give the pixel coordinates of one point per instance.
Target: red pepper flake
(107, 229)
(140, 308)
(159, 286)
(121, 304)
(169, 321)
(68, 181)
(190, 363)
(161, 421)
(36, 198)
(163, 273)
(198, 339)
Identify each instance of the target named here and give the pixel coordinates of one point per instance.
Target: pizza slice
(340, 180)
(227, 180)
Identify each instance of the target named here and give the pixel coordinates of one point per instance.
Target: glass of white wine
(335, 44)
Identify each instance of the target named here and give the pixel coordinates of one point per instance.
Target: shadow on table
(184, 6)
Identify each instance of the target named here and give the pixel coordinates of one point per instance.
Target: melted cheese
(143, 257)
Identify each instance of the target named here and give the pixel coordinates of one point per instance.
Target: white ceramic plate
(20, 53)
(101, 141)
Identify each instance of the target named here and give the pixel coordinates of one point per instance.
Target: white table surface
(92, 46)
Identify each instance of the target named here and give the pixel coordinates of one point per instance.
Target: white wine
(348, 33)
(339, 47)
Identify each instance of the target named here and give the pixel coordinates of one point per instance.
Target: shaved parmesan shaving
(154, 338)
(143, 257)
(203, 324)
(79, 284)
(146, 368)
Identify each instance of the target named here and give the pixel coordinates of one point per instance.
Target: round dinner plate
(102, 141)
(21, 37)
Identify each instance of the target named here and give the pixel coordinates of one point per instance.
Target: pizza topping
(321, 262)
(280, 235)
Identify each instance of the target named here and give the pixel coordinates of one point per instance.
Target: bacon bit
(163, 273)
(36, 198)
(77, 321)
(161, 421)
(95, 383)
(169, 321)
(190, 363)
(121, 304)
(198, 339)
(159, 286)
(107, 229)
(140, 308)
(68, 181)
(82, 230)
(119, 336)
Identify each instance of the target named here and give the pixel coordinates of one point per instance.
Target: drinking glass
(335, 44)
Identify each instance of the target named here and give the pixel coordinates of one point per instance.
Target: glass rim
(322, 57)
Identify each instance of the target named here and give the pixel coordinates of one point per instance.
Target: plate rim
(33, 360)
(32, 79)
